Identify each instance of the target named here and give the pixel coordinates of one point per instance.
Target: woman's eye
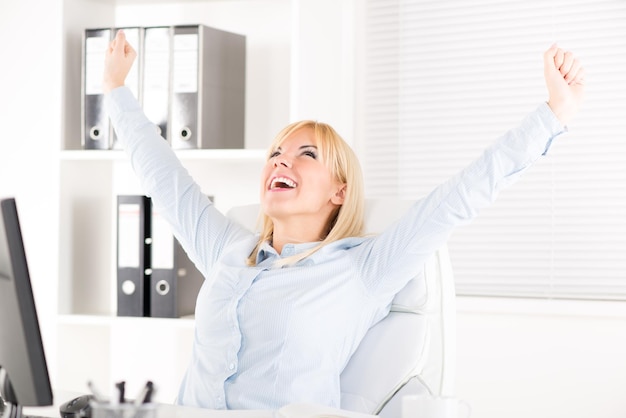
(310, 154)
(274, 154)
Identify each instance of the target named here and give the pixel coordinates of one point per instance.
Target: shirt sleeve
(201, 230)
(395, 255)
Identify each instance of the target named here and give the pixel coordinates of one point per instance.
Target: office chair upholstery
(412, 350)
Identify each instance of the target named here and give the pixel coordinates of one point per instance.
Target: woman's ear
(339, 196)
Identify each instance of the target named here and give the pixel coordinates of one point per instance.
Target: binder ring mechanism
(162, 287)
(185, 133)
(95, 133)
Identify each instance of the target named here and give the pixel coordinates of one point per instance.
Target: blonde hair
(344, 167)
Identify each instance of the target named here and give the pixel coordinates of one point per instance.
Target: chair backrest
(412, 350)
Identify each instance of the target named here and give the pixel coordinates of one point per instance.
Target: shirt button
(231, 366)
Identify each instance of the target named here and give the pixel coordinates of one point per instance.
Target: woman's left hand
(565, 80)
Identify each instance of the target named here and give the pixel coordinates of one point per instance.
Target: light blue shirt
(268, 336)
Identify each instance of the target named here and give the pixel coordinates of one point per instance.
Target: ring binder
(97, 132)
(95, 123)
(208, 88)
(156, 76)
(175, 281)
(133, 255)
(134, 36)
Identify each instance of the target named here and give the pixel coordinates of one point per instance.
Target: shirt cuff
(550, 123)
(120, 100)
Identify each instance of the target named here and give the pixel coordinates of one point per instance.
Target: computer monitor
(24, 379)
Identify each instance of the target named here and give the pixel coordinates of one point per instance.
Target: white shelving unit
(93, 343)
(90, 184)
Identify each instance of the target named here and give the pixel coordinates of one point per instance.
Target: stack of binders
(190, 80)
(155, 277)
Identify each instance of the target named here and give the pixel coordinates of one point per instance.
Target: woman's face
(296, 182)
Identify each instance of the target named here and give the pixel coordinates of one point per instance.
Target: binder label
(157, 60)
(185, 77)
(129, 239)
(95, 48)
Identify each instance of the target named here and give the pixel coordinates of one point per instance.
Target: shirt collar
(267, 252)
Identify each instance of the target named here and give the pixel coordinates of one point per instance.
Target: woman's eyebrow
(301, 147)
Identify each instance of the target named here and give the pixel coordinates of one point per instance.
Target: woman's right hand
(119, 58)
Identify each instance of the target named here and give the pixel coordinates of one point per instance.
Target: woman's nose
(282, 160)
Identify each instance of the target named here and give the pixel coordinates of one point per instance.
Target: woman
(280, 314)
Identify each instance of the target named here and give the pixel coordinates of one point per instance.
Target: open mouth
(282, 183)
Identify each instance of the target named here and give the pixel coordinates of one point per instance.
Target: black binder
(133, 255)
(175, 281)
(95, 123)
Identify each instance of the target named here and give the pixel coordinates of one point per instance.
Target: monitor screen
(24, 379)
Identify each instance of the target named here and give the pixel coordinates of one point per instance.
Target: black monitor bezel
(29, 387)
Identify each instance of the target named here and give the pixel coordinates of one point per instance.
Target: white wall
(30, 119)
(541, 358)
(322, 63)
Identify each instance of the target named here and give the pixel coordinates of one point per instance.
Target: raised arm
(429, 223)
(199, 227)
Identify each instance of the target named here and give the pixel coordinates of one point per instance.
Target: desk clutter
(120, 407)
(95, 405)
(124, 410)
(155, 277)
(189, 79)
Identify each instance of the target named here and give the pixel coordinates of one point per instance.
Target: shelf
(201, 154)
(155, 2)
(110, 320)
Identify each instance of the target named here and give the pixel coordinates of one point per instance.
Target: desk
(294, 410)
(164, 410)
(169, 411)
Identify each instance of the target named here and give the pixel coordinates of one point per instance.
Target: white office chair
(412, 350)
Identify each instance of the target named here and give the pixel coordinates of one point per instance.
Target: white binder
(133, 79)
(156, 76)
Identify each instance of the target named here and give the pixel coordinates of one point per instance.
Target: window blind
(443, 79)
